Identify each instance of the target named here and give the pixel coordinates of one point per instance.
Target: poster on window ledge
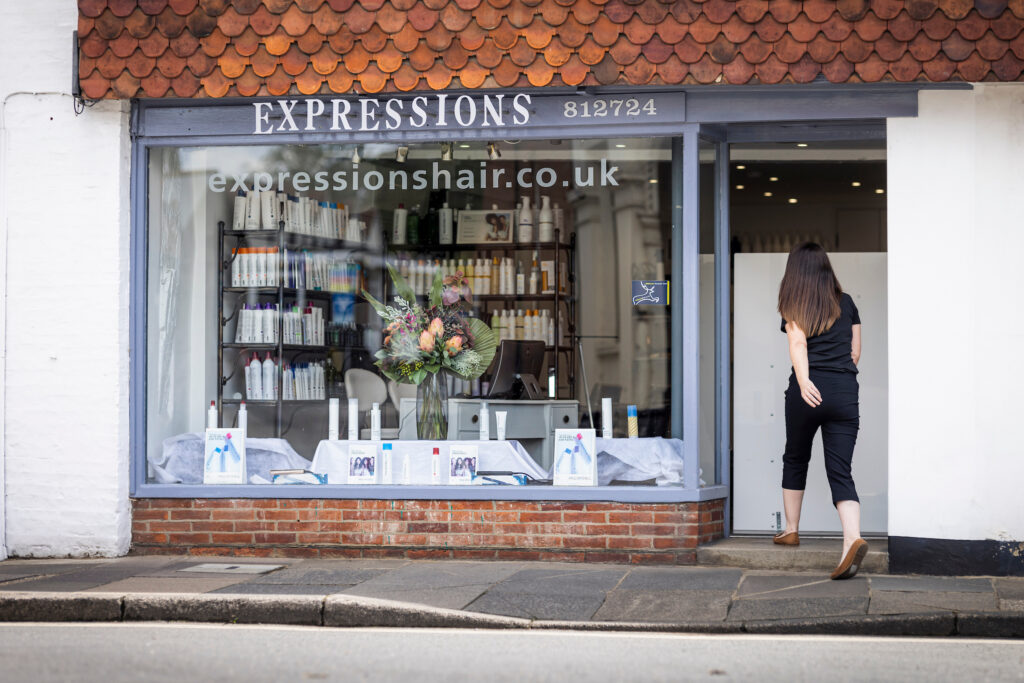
(478, 227)
(575, 457)
(224, 456)
(362, 464)
(462, 465)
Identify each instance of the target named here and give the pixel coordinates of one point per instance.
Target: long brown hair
(809, 293)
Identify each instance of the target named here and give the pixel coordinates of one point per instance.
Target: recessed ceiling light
(464, 146)
(879, 191)
(767, 194)
(773, 179)
(621, 146)
(739, 187)
(801, 144)
(792, 200)
(855, 183)
(653, 181)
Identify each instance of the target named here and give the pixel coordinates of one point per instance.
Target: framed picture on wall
(477, 227)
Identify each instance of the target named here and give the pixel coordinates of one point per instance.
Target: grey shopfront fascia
(690, 116)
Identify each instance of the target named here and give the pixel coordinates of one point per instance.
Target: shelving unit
(564, 255)
(235, 351)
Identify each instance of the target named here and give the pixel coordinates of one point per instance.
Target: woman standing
(823, 327)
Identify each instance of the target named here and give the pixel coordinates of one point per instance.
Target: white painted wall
(65, 222)
(956, 273)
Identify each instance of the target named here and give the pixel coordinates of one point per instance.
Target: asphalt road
(113, 653)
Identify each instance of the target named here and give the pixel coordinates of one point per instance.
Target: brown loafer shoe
(847, 569)
(787, 538)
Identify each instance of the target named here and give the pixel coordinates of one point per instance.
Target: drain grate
(223, 568)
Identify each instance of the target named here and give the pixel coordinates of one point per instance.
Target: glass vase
(432, 408)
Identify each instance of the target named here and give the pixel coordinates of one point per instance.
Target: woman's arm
(855, 344)
(798, 356)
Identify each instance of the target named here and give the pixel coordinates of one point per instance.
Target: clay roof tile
(1016, 7)
(957, 48)
(263, 63)
(905, 69)
(872, 69)
(248, 84)
(804, 70)
(590, 52)
(309, 81)
(657, 51)
(838, 70)
(487, 17)
(1008, 67)
(406, 78)
(185, 44)
(539, 73)
(751, 11)
(304, 5)
(422, 58)
(110, 65)
(278, 83)
(605, 32)
(586, 12)
(468, 5)
(522, 54)
(652, 11)
(1017, 46)
(974, 68)
(556, 53)
(553, 13)
(705, 70)
(639, 72)
(753, 49)
(722, 50)
(607, 71)
(152, 6)
(738, 71)
(819, 11)
(245, 6)
(506, 73)
(375, 39)
(836, 28)
(233, 65)
(407, 39)
(624, 51)
(990, 9)
(358, 20)
(312, 40)
(171, 65)
(95, 86)
(922, 10)
(855, 49)
(789, 49)
(890, 49)
(263, 21)
(923, 48)
(639, 31)
(938, 26)
(803, 29)
(155, 84)
(852, 10)
(572, 32)
(214, 43)
(973, 26)
(295, 21)
(200, 24)
(689, 50)
(183, 7)
(499, 4)
(769, 29)
(215, 84)
(472, 37)
(439, 38)
(574, 71)
(1007, 26)
(956, 9)
(92, 8)
(278, 42)
(138, 23)
(435, 4)
(887, 9)
(439, 76)
(185, 84)
(231, 23)
(247, 43)
(87, 24)
(538, 34)
(489, 54)
(326, 20)
(992, 48)
(704, 31)
(519, 14)
(870, 28)
(719, 11)
(671, 31)
(93, 46)
(201, 64)
(472, 75)
(326, 60)
(673, 70)
(903, 27)
(686, 10)
(784, 10)
(124, 44)
(108, 27)
(620, 12)
(340, 81)
(455, 57)
(822, 50)
(153, 45)
(372, 5)
(138, 64)
(454, 18)
(294, 61)
(421, 18)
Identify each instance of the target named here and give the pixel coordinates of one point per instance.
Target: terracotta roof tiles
(221, 48)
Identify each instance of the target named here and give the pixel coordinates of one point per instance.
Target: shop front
(611, 188)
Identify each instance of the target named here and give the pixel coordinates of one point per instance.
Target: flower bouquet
(423, 343)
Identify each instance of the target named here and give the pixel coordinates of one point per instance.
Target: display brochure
(362, 463)
(575, 457)
(477, 227)
(462, 464)
(224, 456)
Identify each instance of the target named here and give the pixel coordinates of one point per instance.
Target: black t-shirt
(831, 349)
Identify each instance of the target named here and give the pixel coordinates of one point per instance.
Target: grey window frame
(724, 113)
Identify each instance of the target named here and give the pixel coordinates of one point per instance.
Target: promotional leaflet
(478, 227)
(362, 463)
(462, 464)
(575, 457)
(224, 456)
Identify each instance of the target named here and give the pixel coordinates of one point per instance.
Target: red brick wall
(576, 532)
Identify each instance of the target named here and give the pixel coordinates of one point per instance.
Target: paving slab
(314, 576)
(910, 602)
(18, 569)
(562, 581)
(176, 567)
(813, 554)
(348, 610)
(1009, 589)
(92, 574)
(448, 597)
(931, 583)
(680, 579)
(664, 606)
(441, 575)
(785, 586)
(249, 588)
(796, 608)
(568, 607)
(157, 584)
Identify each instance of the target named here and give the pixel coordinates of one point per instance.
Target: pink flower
(453, 345)
(436, 327)
(426, 342)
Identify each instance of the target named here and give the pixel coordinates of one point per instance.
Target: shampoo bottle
(375, 422)
(387, 464)
(243, 418)
(525, 222)
(546, 221)
(445, 229)
(398, 225)
(435, 466)
(269, 378)
(256, 373)
(211, 416)
(485, 422)
(332, 419)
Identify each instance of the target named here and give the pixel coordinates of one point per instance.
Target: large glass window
(258, 257)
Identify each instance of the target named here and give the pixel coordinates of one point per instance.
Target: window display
(269, 271)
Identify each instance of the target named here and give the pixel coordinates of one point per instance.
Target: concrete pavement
(394, 592)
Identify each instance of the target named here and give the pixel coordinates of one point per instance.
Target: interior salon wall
(64, 211)
(955, 333)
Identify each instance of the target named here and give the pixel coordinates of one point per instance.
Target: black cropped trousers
(838, 416)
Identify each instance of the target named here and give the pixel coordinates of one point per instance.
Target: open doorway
(833, 193)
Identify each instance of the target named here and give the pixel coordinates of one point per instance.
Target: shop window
(259, 257)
